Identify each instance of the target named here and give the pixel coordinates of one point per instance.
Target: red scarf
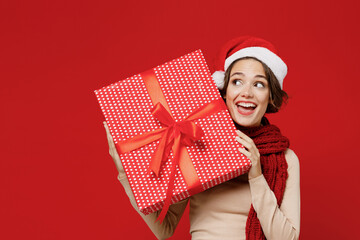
(271, 145)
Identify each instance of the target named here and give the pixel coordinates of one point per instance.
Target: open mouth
(245, 108)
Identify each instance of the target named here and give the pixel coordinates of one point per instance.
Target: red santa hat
(247, 46)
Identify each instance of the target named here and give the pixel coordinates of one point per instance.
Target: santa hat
(247, 46)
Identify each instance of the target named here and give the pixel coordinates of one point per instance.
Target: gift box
(173, 132)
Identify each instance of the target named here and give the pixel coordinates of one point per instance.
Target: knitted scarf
(271, 145)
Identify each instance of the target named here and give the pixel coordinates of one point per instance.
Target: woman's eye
(259, 84)
(236, 82)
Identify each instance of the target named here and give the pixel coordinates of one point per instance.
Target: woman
(265, 202)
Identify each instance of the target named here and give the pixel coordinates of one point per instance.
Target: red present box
(180, 147)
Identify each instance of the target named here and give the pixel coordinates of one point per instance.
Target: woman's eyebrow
(236, 73)
(260, 76)
(242, 74)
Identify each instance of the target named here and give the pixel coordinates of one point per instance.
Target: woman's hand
(251, 152)
(112, 150)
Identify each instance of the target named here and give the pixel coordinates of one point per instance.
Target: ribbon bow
(175, 136)
(176, 133)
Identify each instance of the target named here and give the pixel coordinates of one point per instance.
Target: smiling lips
(245, 107)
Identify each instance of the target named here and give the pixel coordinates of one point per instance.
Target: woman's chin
(243, 122)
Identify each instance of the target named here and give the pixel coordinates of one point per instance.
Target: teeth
(246, 104)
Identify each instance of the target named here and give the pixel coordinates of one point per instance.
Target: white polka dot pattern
(187, 85)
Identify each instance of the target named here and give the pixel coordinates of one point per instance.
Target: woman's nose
(246, 91)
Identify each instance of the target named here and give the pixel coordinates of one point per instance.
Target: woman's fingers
(250, 152)
(245, 152)
(243, 142)
(244, 136)
(112, 150)
(109, 137)
(246, 141)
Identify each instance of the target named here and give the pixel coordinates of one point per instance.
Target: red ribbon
(184, 132)
(175, 136)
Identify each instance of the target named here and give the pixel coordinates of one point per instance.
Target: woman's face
(248, 93)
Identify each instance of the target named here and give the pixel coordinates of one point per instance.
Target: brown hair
(277, 95)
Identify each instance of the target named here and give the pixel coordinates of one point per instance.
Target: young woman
(265, 202)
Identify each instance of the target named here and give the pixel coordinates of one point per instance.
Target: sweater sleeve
(284, 222)
(162, 230)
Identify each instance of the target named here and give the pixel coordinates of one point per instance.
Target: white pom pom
(218, 77)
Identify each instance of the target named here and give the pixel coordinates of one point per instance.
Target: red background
(57, 179)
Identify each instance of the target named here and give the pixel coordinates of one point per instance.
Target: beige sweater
(221, 212)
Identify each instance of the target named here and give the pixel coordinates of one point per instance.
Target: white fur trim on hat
(219, 77)
(273, 61)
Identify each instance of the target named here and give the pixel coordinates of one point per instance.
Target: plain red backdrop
(57, 179)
